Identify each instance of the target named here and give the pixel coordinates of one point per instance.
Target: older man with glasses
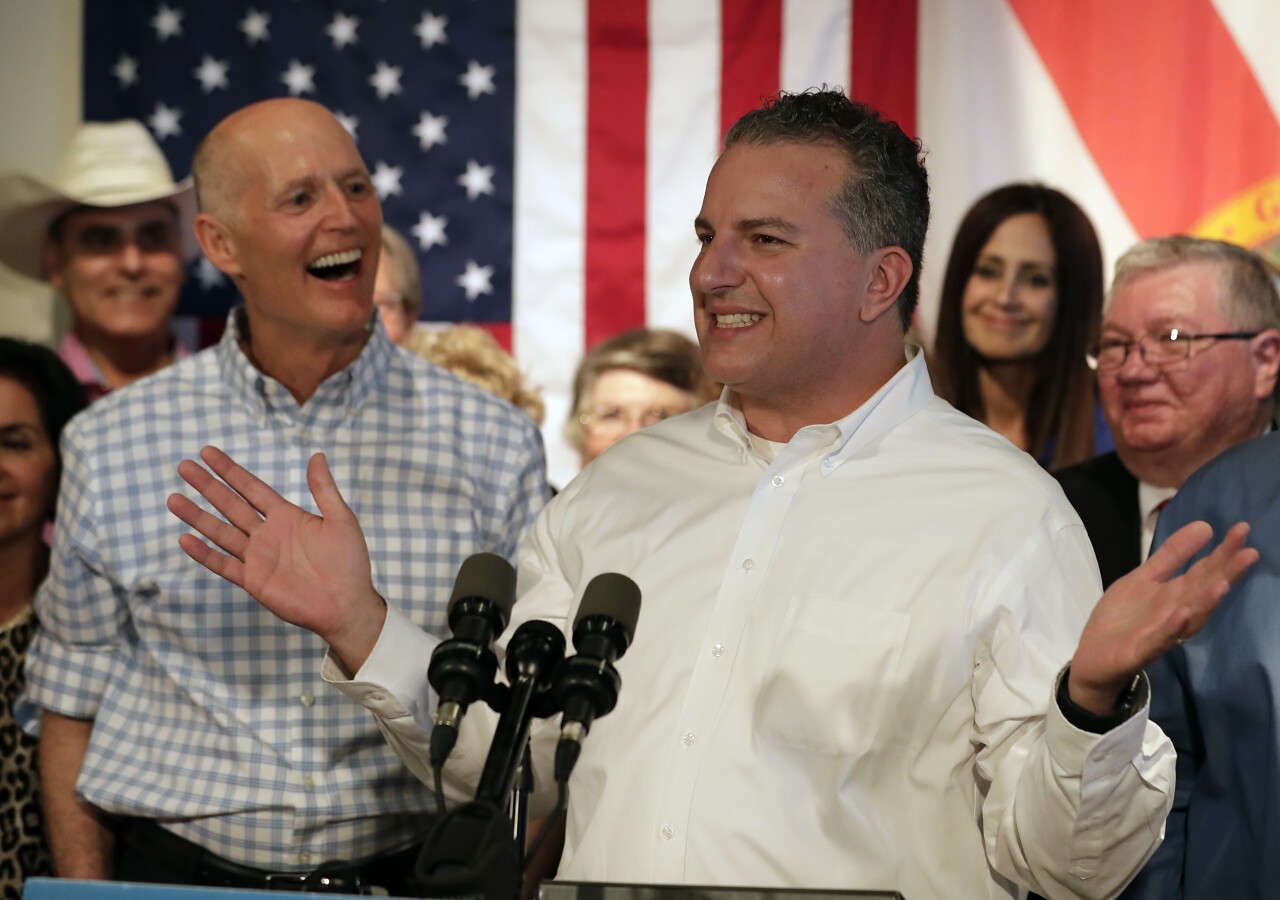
(1187, 367)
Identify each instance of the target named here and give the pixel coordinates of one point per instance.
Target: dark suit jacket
(1105, 496)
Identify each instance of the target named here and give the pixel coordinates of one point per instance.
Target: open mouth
(339, 266)
(737, 320)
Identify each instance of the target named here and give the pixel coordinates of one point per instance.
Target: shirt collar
(1150, 497)
(897, 400)
(337, 396)
(75, 354)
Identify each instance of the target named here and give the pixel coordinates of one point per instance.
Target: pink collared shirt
(74, 353)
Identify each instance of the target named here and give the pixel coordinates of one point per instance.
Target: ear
(1266, 360)
(52, 260)
(890, 271)
(218, 243)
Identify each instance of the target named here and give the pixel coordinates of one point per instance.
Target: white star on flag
(299, 78)
(386, 180)
(207, 275)
(477, 179)
(430, 130)
(430, 30)
(351, 123)
(477, 80)
(475, 280)
(212, 74)
(385, 80)
(430, 231)
(254, 25)
(167, 23)
(164, 121)
(126, 70)
(343, 30)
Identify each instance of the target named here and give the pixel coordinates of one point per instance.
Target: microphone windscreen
(613, 595)
(486, 576)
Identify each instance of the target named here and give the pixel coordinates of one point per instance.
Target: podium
(584, 890)
(69, 889)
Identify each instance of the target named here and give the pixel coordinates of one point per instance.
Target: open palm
(310, 570)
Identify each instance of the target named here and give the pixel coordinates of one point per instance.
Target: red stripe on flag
(750, 56)
(617, 96)
(883, 65)
(1176, 131)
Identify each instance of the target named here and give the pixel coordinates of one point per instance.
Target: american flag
(547, 157)
(429, 95)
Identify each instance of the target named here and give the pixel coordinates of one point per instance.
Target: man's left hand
(1148, 611)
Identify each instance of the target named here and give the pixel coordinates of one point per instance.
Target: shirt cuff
(393, 680)
(1134, 697)
(1090, 753)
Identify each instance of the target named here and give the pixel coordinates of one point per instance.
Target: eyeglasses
(615, 418)
(1164, 349)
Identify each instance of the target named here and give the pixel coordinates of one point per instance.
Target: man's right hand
(312, 571)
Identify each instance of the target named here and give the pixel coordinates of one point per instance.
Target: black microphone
(462, 668)
(586, 684)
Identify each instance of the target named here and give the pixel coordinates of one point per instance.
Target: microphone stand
(473, 850)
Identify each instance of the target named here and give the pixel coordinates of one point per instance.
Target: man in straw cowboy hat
(110, 233)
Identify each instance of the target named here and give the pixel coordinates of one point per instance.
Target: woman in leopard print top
(37, 397)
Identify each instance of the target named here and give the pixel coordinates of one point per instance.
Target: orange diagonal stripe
(1164, 100)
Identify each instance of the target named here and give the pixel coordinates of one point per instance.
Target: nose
(1135, 366)
(715, 268)
(1007, 292)
(340, 213)
(131, 257)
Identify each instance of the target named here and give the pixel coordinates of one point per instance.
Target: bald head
(233, 146)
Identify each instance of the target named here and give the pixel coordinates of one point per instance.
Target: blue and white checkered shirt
(209, 713)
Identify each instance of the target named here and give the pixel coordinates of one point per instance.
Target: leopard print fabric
(22, 848)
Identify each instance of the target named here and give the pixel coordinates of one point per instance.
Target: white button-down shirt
(843, 669)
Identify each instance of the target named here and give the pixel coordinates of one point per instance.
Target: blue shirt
(208, 712)
(1218, 698)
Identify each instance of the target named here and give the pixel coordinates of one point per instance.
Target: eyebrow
(771, 222)
(7, 428)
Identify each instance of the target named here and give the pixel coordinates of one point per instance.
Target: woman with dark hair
(1021, 301)
(38, 394)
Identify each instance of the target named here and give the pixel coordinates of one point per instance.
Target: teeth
(737, 320)
(337, 259)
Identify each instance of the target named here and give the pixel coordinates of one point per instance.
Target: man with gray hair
(1187, 367)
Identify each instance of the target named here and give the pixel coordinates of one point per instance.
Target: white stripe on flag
(817, 40)
(683, 139)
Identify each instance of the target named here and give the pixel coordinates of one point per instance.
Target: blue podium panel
(70, 889)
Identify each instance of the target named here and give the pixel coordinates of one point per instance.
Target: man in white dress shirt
(858, 603)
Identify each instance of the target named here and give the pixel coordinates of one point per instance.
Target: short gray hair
(1247, 292)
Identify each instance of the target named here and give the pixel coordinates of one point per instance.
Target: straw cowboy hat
(108, 164)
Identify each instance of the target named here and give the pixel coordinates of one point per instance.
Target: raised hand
(1148, 611)
(312, 571)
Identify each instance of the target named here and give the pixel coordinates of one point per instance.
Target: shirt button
(377, 697)
(688, 739)
(305, 858)
(309, 782)
(777, 480)
(668, 832)
(308, 699)
(717, 650)
(748, 564)
(828, 463)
